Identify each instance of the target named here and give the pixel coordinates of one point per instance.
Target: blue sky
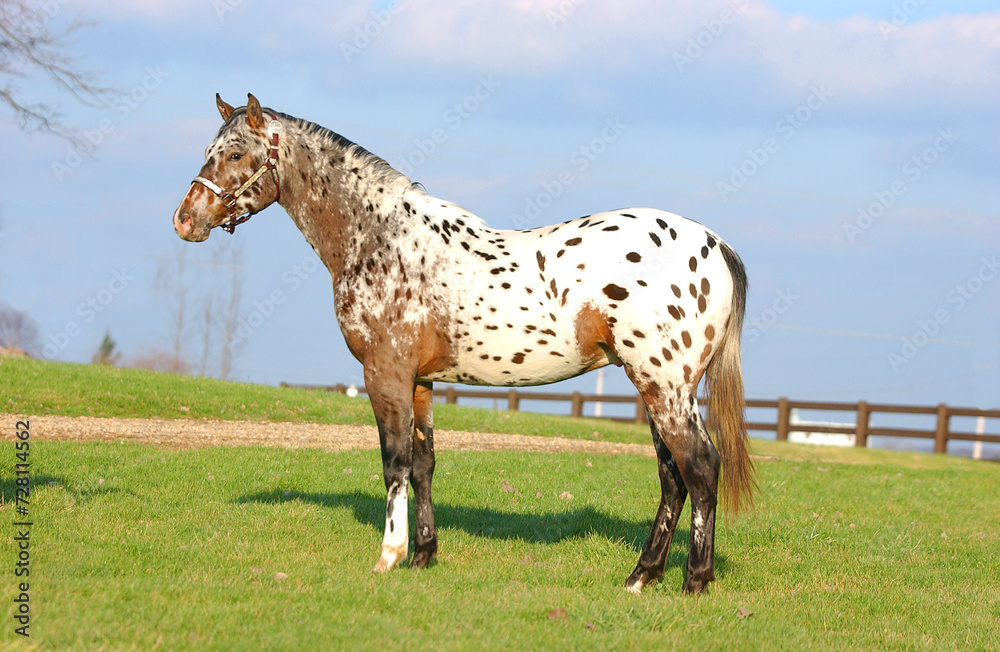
(849, 151)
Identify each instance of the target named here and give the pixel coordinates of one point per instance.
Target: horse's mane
(375, 165)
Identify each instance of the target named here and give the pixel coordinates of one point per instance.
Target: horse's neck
(343, 200)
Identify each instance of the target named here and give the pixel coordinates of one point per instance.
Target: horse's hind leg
(702, 479)
(673, 494)
(674, 416)
(423, 470)
(701, 476)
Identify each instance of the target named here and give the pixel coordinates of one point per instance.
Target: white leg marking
(395, 542)
(697, 528)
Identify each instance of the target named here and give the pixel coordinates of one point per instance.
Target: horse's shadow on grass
(9, 487)
(544, 528)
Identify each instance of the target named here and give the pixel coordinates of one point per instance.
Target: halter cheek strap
(229, 198)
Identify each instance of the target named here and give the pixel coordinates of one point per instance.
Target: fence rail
(862, 428)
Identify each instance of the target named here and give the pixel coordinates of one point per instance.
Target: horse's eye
(235, 157)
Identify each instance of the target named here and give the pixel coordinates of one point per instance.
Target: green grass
(41, 388)
(136, 547)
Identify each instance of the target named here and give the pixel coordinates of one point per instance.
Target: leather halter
(229, 198)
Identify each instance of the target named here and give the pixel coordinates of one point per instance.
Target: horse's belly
(506, 365)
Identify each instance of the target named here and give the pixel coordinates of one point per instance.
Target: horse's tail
(724, 385)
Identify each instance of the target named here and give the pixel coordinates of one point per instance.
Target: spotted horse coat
(425, 291)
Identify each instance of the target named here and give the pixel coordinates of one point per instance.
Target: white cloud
(949, 59)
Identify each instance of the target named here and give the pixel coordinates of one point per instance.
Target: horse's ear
(255, 118)
(224, 108)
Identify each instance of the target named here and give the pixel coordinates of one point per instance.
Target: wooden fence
(782, 425)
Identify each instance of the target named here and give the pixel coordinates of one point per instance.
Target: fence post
(449, 395)
(513, 403)
(861, 430)
(640, 410)
(783, 412)
(576, 407)
(941, 434)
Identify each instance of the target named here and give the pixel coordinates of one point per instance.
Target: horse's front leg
(391, 394)
(423, 470)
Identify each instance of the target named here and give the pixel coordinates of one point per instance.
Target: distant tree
(18, 330)
(34, 43)
(190, 295)
(208, 319)
(161, 361)
(106, 354)
(172, 287)
(231, 344)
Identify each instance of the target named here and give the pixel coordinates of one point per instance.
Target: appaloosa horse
(425, 291)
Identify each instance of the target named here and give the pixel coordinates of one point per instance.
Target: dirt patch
(195, 433)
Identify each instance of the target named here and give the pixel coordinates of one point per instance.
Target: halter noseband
(229, 199)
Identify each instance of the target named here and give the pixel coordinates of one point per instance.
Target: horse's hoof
(421, 559)
(389, 558)
(640, 577)
(694, 587)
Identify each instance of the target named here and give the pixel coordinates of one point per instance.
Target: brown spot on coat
(615, 292)
(593, 336)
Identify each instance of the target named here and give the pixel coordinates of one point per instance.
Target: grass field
(136, 547)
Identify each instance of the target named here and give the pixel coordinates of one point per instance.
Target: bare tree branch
(31, 46)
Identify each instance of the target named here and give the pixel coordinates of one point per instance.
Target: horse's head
(234, 183)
